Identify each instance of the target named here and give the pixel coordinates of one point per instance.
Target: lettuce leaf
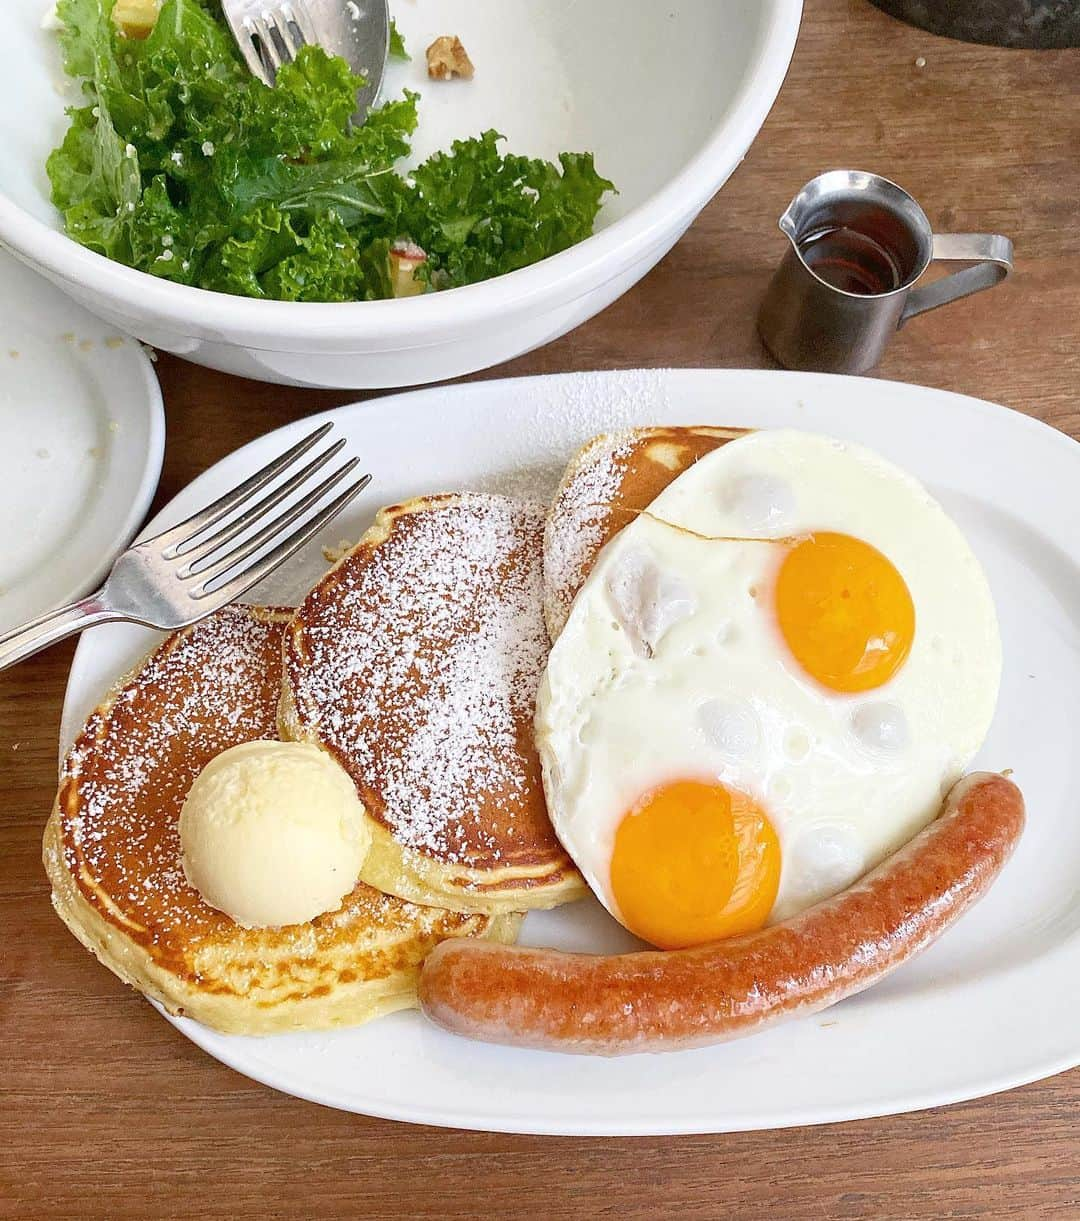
(182, 164)
(397, 43)
(100, 186)
(84, 34)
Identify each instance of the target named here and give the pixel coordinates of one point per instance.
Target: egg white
(672, 666)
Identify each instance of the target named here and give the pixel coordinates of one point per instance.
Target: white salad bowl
(668, 96)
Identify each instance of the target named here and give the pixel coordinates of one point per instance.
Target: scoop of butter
(273, 833)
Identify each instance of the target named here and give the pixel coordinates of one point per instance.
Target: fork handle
(38, 634)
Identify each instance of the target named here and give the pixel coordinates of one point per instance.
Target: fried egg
(765, 687)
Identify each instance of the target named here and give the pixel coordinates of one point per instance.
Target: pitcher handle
(992, 259)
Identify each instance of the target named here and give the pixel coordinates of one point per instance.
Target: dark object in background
(1042, 24)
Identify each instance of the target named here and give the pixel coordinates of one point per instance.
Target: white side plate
(82, 434)
(991, 1005)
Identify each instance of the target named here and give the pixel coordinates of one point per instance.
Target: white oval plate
(992, 1005)
(82, 434)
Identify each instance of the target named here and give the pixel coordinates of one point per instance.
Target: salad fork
(186, 573)
(270, 34)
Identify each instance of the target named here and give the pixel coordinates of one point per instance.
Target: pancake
(112, 853)
(608, 482)
(415, 662)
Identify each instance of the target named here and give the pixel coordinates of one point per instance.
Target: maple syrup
(852, 261)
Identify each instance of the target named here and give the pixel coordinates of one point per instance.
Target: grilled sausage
(656, 1001)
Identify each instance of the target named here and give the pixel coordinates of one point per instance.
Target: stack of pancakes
(415, 663)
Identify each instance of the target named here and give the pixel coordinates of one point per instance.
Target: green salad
(183, 165)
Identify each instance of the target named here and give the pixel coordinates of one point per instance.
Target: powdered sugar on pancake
(417, 665)
(579, 518)
(608, 480)
(112, 852)
(128, 773)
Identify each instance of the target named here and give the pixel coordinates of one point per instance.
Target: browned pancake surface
(416, 663)
(606, 485)
(123, 785)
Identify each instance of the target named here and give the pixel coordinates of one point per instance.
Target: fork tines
(273, 36)
(225, 572)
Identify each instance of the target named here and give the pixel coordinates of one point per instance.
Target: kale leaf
(184, 165)
(397, 43)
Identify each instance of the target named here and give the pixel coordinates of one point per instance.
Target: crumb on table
(447, 58)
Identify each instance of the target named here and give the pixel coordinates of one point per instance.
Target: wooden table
(107, 1111)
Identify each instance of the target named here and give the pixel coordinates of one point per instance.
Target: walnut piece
(447, 58)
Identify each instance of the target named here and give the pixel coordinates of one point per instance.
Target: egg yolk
(844, 611)
(694, 863)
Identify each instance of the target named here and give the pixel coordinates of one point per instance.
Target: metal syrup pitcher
(859, 245)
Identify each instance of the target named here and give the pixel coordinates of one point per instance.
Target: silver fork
(184, 574)
(271, 33)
